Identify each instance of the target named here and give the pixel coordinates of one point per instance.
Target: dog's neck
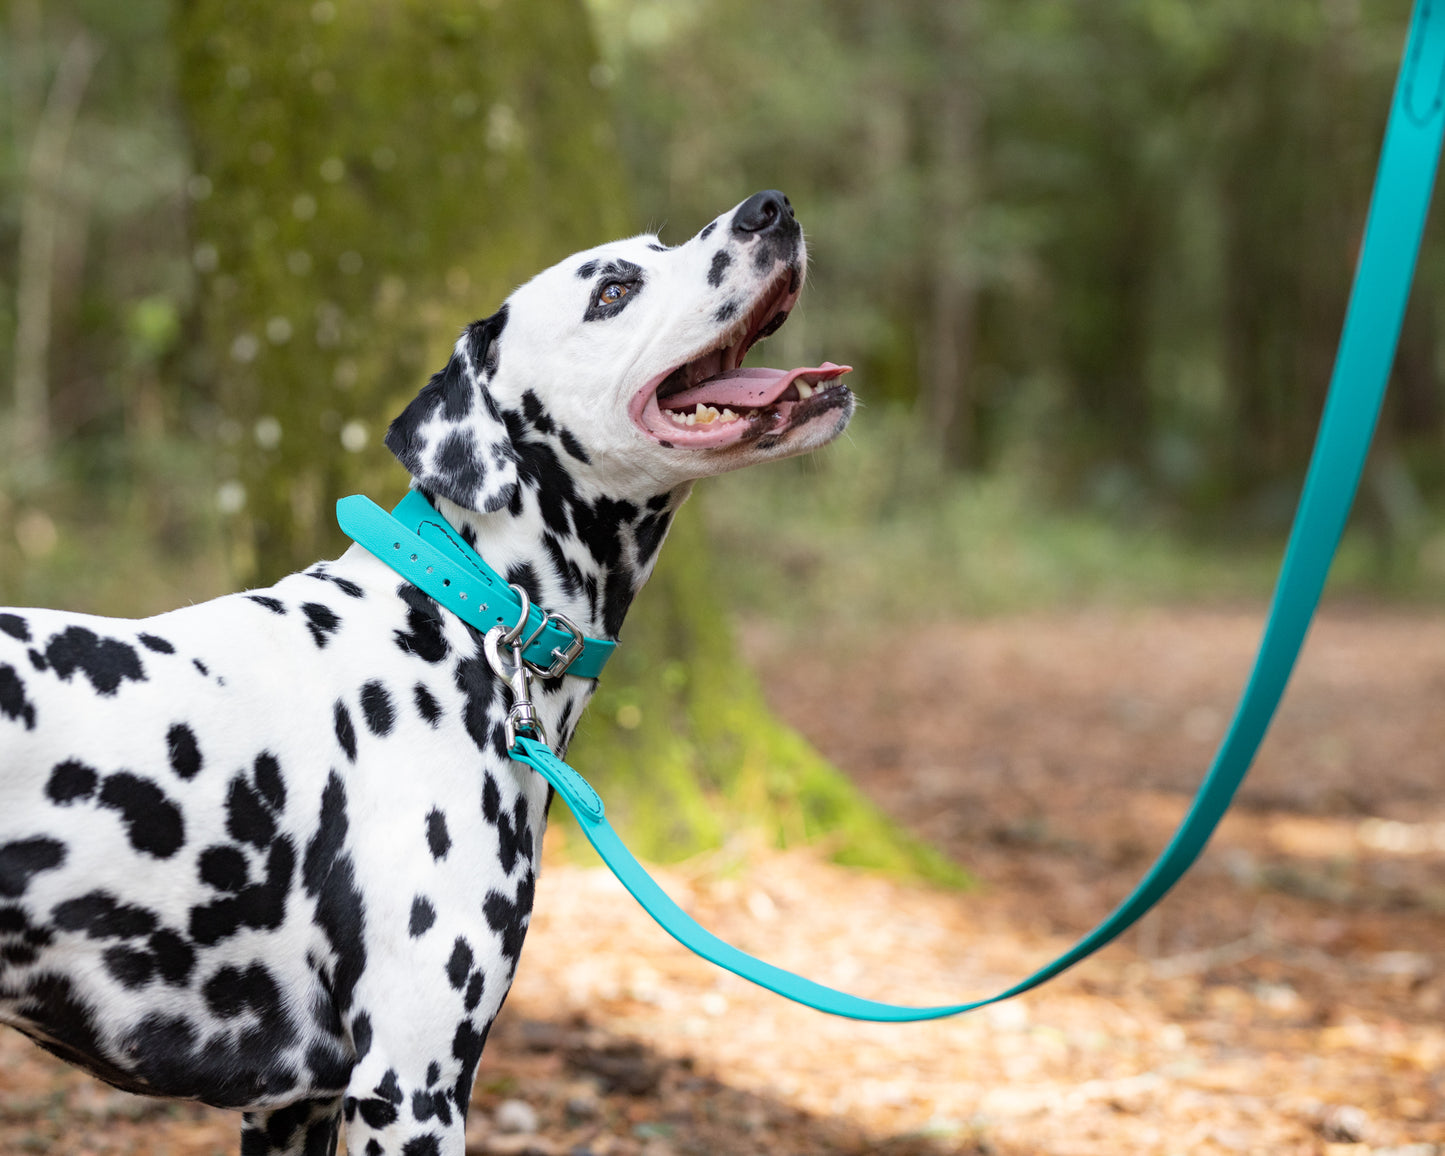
(584, 559)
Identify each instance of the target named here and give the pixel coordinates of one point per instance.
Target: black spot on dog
(15, 626)
(184, 751)
(328, 874)
(380, 1109)
(508, 917)
(426, 705)
(523, 574)
(201, 668)
(361, 1035)
(225, 868)
(719, 267)
(707, 231)
(423, 915)
(13, 703)
(129, 967)
(514, 836)
(321, 1137)
(727, 311)
(248, 820)
(101, 916)
(323, 1012)
(153, 823)
(345, 585)
(457, 466)
(389, 1089)
(69, 781)
(321, 621)
(51, 1002)
(467, 1045)
(650, 532)
(477, 682)
(281, 1126)
(267, 773)
(325, 846)
(156, 644)
(535, 414)
(259, 905)
(233, 1069)
(345, 732)
(232, 990)
(274, 605)
(22, 859)
(329, 1068)
(173, 955)
(587, 270)
(475, 987)
(437, 838)
(424, 1105)
(460, 963)
(491, 799)
(376, 708)
(617, 597)
(106, 662)
(574, 447)
(423, 636)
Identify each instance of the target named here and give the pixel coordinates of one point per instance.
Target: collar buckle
(562, 657)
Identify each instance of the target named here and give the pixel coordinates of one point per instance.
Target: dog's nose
(763, 212)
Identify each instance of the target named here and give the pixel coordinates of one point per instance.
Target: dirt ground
(1287, 998)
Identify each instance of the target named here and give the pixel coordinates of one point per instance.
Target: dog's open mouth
(710, 401)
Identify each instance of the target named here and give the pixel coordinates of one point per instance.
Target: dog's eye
(613, 292)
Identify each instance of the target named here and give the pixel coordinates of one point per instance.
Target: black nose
(763, 212)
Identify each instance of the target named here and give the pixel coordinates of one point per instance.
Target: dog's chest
(226, 832)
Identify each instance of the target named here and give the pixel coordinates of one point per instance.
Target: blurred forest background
(1089, 257)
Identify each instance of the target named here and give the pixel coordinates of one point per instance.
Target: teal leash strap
(1376, 311)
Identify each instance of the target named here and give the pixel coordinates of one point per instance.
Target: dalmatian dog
(269, 852)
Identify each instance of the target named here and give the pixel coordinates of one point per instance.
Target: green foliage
(871, 535)
(1116, 232)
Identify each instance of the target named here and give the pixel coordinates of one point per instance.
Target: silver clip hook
(521, 716)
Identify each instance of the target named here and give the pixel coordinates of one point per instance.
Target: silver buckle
(562, 657)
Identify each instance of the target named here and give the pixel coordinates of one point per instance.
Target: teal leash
(1376, 311)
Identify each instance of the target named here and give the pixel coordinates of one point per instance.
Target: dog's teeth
(677, 418)
(727, 415)
(706, 415)
(805, 390)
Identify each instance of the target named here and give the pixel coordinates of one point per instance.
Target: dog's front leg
(412, 1113)
(306, 1128)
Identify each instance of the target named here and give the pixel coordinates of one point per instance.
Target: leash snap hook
(521, 716)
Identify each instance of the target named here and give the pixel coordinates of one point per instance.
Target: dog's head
(624, 360)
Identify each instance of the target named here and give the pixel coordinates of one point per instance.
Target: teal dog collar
(421, 546)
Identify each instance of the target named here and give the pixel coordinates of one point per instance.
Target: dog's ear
(452, 438)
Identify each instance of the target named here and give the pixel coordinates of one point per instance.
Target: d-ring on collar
(419, 544)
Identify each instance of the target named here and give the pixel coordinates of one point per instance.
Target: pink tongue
(749, 388)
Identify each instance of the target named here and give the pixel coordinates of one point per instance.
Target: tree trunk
(40, 213)
(948, 399)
